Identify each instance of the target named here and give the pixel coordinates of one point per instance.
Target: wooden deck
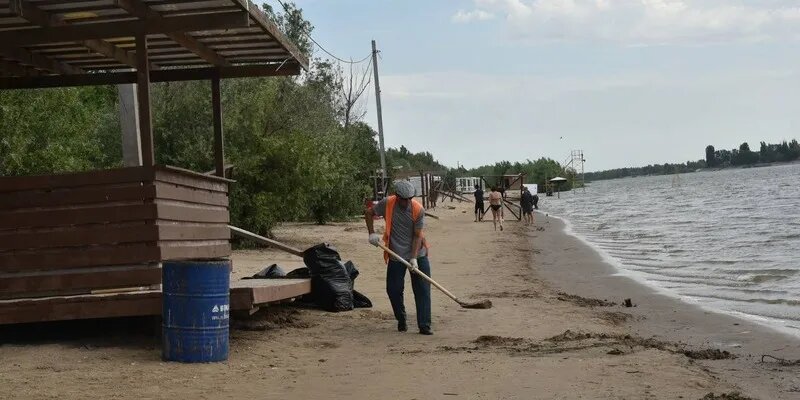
(249, 293)
(245, 295)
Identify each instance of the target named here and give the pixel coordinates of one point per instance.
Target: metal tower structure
(575, 162)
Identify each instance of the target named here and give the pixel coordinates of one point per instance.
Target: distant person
(404, 219)
(536, 201)
(496, 203)
(526, 203)
(479, 207)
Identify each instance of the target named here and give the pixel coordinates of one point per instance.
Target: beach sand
(549, 335)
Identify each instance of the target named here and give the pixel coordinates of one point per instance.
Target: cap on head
(404, 189)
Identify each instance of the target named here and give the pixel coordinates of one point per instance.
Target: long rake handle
(418, 272)
(269, 242)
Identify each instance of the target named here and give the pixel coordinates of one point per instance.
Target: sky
(629, 82)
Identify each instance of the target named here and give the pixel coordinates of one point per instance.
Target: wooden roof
(45, 43)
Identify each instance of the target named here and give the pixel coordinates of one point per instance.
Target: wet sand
(548, 336)
(581, 269)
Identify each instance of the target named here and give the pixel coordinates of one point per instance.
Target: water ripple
(727, 237)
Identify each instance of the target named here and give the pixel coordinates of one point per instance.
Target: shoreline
(617, 270)
(586, 271)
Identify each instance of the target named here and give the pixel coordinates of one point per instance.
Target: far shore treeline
(715, 159)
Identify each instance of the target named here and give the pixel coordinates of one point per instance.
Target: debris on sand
(568, 341)
(628, 303)
(726, 396)
(615, 318)
(781, 361)
(708, 354)
(584, 301)
(491, 340)
(569, 335)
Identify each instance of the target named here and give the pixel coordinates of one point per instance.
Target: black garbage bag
(299, 273)
(352, 271)
(360, 301)
(271, 272)
(331, 286)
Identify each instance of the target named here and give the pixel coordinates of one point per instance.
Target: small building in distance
(467, 184)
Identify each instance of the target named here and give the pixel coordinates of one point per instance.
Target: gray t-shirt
(403, 228)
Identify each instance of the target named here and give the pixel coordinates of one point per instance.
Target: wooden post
(422, 189)
(380, 115)
(427, 193)
(129, 122)
(219, 141)
(428, 178)
(425, 190)
(143, 91)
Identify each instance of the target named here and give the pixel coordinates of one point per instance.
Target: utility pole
(380, 115)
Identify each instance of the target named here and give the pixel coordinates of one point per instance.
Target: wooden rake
(483, 304)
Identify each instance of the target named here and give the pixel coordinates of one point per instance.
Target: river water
(726, 240)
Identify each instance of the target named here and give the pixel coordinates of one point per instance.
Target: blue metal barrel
(195, 310)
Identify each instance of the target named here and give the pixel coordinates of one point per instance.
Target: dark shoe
(402, 327)
(425, 331)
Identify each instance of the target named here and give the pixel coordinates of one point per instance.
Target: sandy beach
(557, 331)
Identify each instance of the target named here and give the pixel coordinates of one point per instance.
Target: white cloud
(475, 15)
(645, 22)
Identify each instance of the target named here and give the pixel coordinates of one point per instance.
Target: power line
(337, 58)
(286, 9)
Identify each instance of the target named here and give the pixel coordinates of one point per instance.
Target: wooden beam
(13, 68)
(219, 140)
(262, 20)
(111, 51)
(171, 75)
(148, 26)
(142, 10)
(37, 16)
(31, 284)
(40, 61)
(143, 92)
(21, 9)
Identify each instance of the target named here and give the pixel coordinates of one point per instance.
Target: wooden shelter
(66, 238)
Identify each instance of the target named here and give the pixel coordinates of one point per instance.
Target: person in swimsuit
(496, 203)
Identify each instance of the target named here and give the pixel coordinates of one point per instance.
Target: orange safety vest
(416, 208)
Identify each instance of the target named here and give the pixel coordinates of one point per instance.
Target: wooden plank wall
(74, 233)
(192, 214)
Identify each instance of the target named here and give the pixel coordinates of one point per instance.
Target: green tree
(711, 160)
(53, 130)
(745, 156)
